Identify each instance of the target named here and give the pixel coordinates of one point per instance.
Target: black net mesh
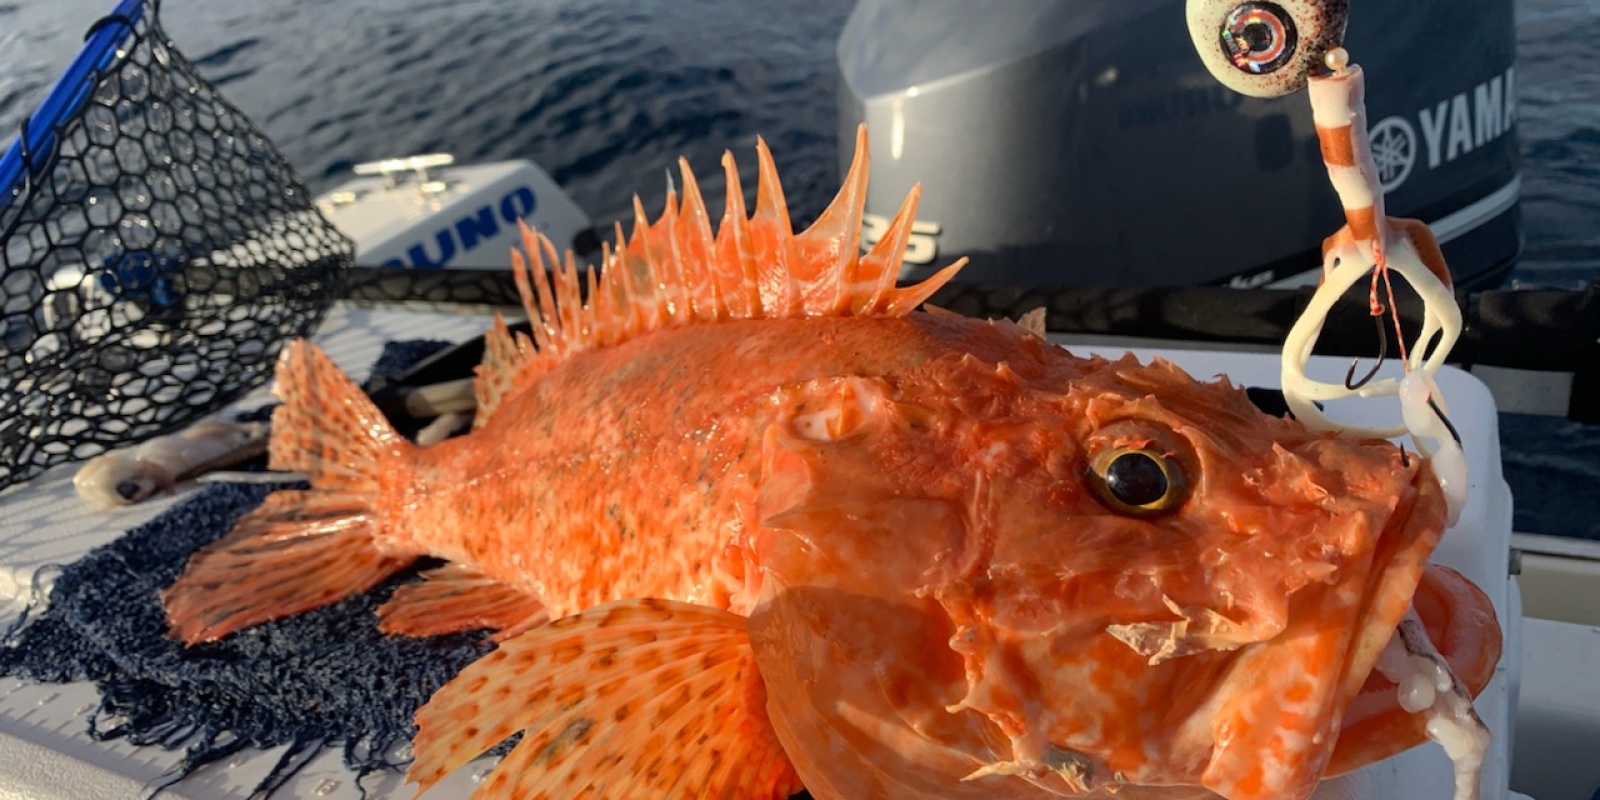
(155, 254)
(492, 287)
(384, 286)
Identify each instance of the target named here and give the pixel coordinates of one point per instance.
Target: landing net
(156, 251)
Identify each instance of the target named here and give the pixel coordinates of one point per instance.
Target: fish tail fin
(300, 549)
(637, 698)
(327, 427)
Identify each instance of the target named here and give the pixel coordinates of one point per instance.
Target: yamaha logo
(1445, 131)
(1394, 150)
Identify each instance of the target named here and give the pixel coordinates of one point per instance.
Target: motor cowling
(1073, 142)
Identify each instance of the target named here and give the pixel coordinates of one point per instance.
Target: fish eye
(1265, 49)
(1137, 482)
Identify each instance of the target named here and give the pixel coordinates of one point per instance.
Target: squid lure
(1272, 49)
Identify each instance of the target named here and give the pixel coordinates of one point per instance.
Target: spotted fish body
(746, 523)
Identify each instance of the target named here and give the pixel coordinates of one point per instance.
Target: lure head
(1026, 575)
(1266, 49)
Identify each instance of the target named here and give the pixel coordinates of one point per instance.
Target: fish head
(1071, 577)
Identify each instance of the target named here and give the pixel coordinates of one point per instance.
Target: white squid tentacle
(1426, 685)
(1434, 439)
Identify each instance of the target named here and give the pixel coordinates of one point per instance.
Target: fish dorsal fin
(675, 272)
(504, 358)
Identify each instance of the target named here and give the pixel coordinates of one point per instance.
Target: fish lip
(1367, 731)
(1417, 523)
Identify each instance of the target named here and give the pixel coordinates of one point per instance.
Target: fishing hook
(1439, 412)
(1383, 352)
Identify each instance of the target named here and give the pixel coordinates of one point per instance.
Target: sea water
(606, 93)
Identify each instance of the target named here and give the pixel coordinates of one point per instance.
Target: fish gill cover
(155, 252)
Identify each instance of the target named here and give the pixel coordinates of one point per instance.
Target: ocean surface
(606, 93)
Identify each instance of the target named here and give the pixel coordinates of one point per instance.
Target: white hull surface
(44, 752)
(418, 213)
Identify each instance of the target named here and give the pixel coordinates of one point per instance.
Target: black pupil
(1257, 37)
(1136, 479)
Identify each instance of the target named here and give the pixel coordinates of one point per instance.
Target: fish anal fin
(455, 598)
(297, 551)
(637, 698)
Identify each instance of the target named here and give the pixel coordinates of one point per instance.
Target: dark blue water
(607, 93)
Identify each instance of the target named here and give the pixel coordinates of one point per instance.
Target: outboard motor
(1072, 142)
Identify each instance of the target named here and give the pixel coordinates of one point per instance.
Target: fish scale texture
(326, 678)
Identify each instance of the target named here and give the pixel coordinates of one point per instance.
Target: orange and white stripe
(1338, 108)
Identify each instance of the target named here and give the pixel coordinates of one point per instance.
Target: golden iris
(1137, 482)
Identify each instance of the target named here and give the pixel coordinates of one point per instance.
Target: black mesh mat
(155, 253)
(326, 678)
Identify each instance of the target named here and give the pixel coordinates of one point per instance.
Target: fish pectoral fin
(636, 698)
(455, 598)
(297, 551)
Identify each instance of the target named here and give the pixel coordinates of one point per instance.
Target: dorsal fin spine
(833, 243)
(635, 255)
(621, 287)
(773, 236)
(697, 305)
(677, 272)
(884, 257)
(592, 307)
(544, 322)
(519, 274)
(697, 244)
(640, 308)
(568, 304)
(733, 244)
(583, 332)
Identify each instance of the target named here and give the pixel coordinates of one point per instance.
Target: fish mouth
(1317, 679)
(1458, 616)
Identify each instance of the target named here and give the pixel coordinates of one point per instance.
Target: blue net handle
(68, 96)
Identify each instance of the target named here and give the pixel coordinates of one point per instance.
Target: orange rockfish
(748, 522)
